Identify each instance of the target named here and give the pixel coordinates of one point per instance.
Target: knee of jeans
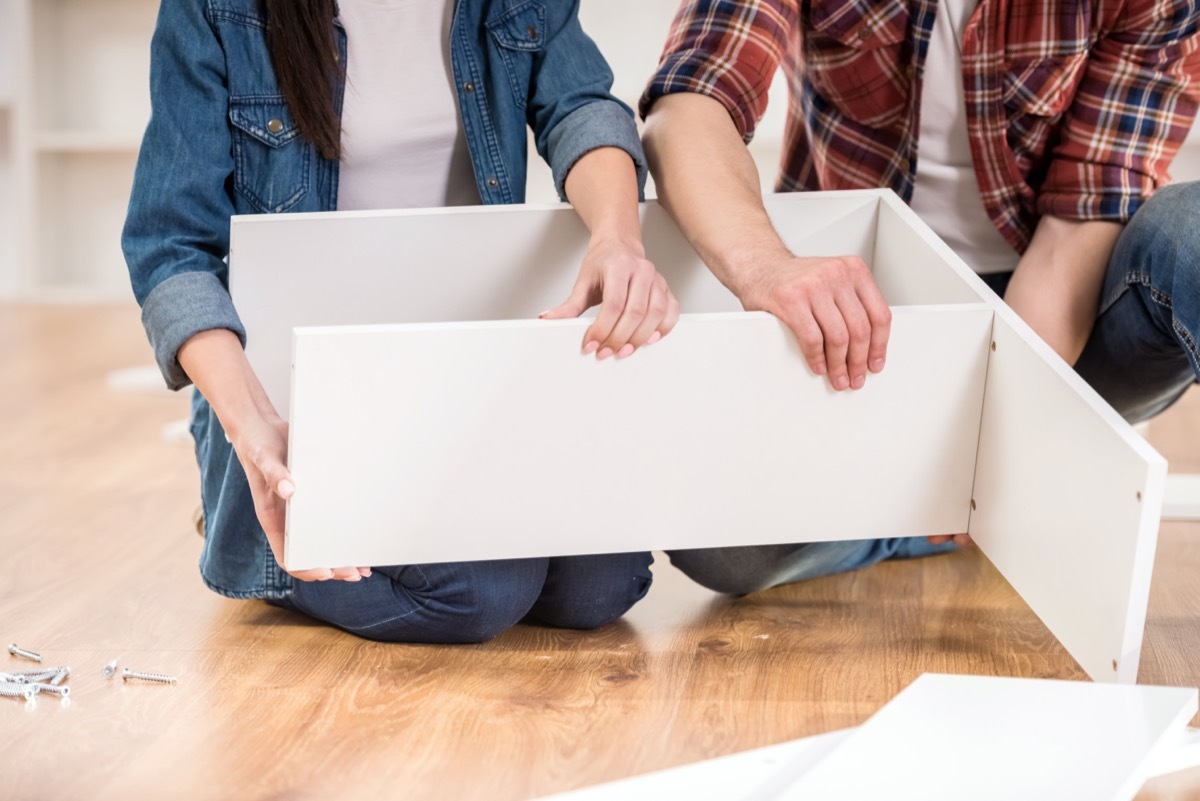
(1173, 211)
(712, 569)
(595, 609)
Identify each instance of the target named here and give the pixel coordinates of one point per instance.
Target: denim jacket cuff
(603, 123)
(178, 309)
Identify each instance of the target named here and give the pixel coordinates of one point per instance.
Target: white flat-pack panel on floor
(447, 442)
(757, 775)
(952, 738)
(1067, 501)
(481, 263)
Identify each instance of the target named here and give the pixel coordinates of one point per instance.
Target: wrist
(618, 237)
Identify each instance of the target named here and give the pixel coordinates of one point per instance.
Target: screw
(128, 674)
(28, 676)
(18, 691)
(109, 670)
(61, 675)
(21, 652)
(61, 692)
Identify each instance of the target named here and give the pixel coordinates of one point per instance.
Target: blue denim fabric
(474, 601)
(209, 153)
(749, 568)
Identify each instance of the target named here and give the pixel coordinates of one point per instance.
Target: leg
(587, 592)
(749, 568)
(461, 602)
(1142, 354)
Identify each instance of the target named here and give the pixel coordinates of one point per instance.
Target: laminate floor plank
(100, 563)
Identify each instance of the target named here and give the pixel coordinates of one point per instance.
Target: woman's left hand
(636, 305)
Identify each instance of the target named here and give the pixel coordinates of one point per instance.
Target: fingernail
(657, 335)
(876, 366)
(543, 314)
(626, 350)
(590, 348)
(604, 354)
(286, 489)
(859, 381)
(841, 382)
(820, 370)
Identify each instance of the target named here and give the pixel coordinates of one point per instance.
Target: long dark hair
(305, 56)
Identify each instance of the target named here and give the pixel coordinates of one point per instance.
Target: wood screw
(61, 692)
(109, 670)
(128, 674)
(25, 691)
(60, 676)
(21, 652)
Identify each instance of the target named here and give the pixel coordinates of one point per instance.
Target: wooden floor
(99, 562)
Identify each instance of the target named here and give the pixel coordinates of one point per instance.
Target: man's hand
(833, 307)
(636, 305)
(708, 182)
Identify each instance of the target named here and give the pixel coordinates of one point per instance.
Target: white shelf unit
(76, 77)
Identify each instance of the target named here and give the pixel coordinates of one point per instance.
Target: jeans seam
(420, 606)
(1186, 337)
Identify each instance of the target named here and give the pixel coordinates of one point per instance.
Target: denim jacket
(221, 141)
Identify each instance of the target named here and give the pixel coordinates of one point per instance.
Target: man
(1029, 135)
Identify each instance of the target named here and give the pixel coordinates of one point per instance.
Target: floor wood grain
(99, 562)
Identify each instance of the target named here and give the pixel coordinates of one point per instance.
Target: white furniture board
(949, 738)
(1068, 500)
(476, 263)
(747, 776)
(500, 440)
(956, 737)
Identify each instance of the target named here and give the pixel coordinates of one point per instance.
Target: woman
(270, 106)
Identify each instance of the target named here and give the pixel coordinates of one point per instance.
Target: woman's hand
(636, 305)
(215, 362)
(261, 447)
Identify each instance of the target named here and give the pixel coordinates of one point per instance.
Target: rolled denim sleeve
(176, 233)
(571, 107)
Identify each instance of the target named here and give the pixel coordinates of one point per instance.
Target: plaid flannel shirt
(1075, 108)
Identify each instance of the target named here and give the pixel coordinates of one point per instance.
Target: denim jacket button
(493, 183)
(275, 126)
(469, 87)
(533, 33)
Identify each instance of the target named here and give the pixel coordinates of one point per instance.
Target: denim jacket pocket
(519, 31)
(271, 161)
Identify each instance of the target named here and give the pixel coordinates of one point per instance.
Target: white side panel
(1068, 498)
(447, 442)
(951, 738)
(447, 265)
(913, 267)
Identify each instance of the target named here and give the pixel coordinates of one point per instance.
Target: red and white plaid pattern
(1074, 107)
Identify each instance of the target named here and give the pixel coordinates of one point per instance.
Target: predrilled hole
(1139, 496)
(972, 504)
(1114, 664)
(993, 344)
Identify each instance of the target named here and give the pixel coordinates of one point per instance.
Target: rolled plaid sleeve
(728, 50)
(1130, 114)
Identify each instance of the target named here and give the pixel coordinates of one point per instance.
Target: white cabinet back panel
(448, 265)
(435, 443)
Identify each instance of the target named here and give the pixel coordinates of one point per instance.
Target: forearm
(1056, 286)
(707, 180)
(217, 365)
(603, 188)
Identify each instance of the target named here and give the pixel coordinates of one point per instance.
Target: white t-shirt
(946, 195)
(402, 139)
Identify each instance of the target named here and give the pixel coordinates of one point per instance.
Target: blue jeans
(1141, 357)
(470, 602)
